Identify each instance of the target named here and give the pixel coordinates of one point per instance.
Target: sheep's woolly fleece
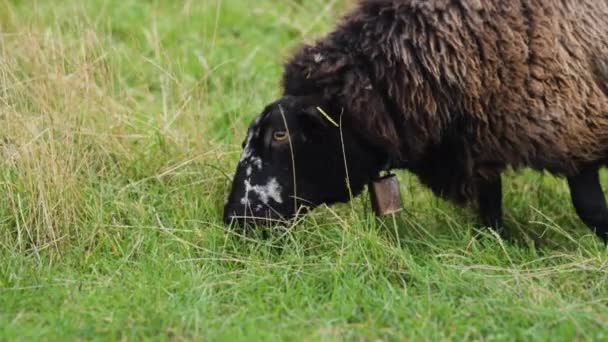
(459, 89)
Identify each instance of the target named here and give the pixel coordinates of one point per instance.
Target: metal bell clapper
(385, 195)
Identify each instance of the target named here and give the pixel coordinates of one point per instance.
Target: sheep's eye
(279, 135)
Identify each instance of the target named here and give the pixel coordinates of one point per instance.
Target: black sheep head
(294, 159)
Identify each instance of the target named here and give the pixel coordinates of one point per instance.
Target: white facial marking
(257, 161)
(247, 151)
(247, 156)
(245, 199)
(318, 58)
(272, 190)
(257, 119)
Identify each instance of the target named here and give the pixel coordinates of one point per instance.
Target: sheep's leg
(589, 202)
(489, 198)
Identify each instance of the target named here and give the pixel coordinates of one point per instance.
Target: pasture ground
(120, 125)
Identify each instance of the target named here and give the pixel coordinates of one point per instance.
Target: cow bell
(385, 195)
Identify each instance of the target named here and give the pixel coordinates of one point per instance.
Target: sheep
(455, 91)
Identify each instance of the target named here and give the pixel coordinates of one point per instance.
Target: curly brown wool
(457, 90)
(452, 90)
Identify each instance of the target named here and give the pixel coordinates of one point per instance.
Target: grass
(120, 124)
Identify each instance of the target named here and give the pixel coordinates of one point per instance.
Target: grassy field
(120, 125)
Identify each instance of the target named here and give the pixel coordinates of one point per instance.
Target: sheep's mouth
(245, 221)
(263, 219)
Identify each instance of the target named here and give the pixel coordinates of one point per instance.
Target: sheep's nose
(241, 218)
(231, 216)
